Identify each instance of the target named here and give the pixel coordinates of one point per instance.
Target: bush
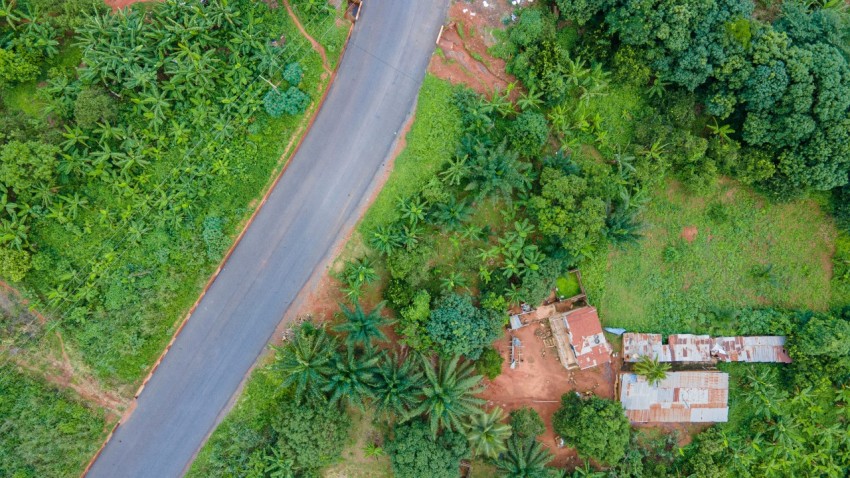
(490, 363)
(459, 328)
(214, 237)
(311, 433)
(14, 264)
(526, 423)
(293, 74)
(596, 427)
(415, 453)
(529, 133)
(93, 105)
(292, 102)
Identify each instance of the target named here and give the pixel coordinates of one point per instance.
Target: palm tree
(385, 239)
(651, 369)
(397, 385)
(362, 329)
(525, 458)
(351, 378)
(449, 394)
(487, 433)
(306, 361)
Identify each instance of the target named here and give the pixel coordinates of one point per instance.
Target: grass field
(702, 255)
(44, 432)
(431, 142)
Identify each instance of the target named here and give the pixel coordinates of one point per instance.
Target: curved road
(316, 202)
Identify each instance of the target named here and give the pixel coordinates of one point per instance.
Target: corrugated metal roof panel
(680, 397)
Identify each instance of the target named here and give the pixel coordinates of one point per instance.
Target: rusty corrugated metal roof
(682, 397)
(704, 349)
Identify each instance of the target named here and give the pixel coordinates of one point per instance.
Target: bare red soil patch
(462, 57)
(540, 380)
(689, 234)
(119, 4)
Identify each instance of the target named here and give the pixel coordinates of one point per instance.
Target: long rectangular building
(682, 397)
(705, 349)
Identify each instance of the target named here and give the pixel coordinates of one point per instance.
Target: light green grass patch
(431, 142)
(727, 249)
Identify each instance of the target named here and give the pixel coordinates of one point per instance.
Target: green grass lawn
(705, 254)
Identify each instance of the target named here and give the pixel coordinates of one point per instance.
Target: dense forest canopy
(782, 86)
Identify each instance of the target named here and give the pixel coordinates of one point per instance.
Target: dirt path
(48, 360)
(316, 45)
(85, 387)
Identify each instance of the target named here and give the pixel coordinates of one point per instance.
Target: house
(579, 338)
(681, 397)
(705, 349)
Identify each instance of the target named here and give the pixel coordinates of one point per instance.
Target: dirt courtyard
(538, 382)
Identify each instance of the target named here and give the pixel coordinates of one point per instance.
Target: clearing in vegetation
(727, 249)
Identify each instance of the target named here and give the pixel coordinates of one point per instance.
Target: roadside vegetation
(133, 146)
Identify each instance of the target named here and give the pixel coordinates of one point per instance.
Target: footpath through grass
(705, 254)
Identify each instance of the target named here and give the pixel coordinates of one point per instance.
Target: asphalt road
(314, 205)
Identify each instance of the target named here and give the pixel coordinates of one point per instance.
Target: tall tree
(397, 385)
(651, 369)
(360, 328)
(306, 362)
(525, 458)
(448, 397)
(487, 433)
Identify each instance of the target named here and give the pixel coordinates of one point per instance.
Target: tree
(351, 377)
(415, 452)
(457, 327)
(396, 386)
(448, 396)
(310, 433)
(526, 423)
(293, 73)
(487, 434)
(292, 102)
(306, 362)
(525, 458)
(596, 427)
(651, 369)
(567, 210)
(529, 133)
(360, 328)
(489, 364)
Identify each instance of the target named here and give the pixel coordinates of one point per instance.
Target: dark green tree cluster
(596, 427)
(782, 86)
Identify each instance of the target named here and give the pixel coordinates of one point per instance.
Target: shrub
(14, 264)
(527, 423)
(293, 74)
(490, 363)
(93, 105)
(311, 433)
(415, 453)
(292, 101)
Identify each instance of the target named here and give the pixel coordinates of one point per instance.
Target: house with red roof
(579, 339)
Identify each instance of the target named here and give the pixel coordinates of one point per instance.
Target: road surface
(313, 206)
